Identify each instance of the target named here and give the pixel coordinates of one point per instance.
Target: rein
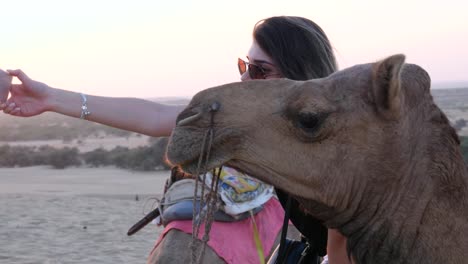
(209, 205)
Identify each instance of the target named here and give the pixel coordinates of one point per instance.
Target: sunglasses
(255, 71)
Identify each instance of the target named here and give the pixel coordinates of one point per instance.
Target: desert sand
(76, 215)
(81, 181)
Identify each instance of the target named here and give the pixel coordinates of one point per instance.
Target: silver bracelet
(84, 107)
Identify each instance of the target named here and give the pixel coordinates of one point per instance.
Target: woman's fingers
(16, 111)
(20, 75)
(9, 108)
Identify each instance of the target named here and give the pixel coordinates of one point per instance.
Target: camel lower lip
(194, 167)
(190, 167)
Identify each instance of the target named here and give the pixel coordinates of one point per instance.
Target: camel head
(360, 148)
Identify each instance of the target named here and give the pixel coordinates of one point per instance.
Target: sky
(155, 48)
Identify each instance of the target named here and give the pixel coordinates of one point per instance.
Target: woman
(296, 48)
(283, 47)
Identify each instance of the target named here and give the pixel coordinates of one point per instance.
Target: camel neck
(400, 221)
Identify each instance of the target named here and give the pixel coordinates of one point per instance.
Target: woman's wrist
(52, 99)
(63, 102)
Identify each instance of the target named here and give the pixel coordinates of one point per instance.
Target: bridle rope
(207, 206)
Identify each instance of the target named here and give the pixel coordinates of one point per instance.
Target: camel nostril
(187, 118)
(215, 107)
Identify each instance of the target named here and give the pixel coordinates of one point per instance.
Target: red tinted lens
(255, 72)
(242, 65)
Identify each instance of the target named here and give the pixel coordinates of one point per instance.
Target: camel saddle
(178, 202)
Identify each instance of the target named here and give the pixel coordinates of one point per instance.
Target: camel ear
(386, 86)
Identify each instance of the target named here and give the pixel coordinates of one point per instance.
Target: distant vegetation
(32, 156)
(147, 158)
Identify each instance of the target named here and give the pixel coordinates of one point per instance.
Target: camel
(365, 150)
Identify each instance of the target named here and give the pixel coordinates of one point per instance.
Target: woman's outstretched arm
(30, 98)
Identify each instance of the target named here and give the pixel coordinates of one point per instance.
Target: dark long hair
(301, 51)
(299, 47)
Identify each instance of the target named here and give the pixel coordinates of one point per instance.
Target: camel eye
(309, 122)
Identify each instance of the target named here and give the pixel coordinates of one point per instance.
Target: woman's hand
(336, 248)
(29, 98)
(5, 83)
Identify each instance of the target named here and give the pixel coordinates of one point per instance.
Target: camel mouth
(191, 167)
(194, 166)
(188, 143)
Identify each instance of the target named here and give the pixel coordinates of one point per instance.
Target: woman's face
(258, 57)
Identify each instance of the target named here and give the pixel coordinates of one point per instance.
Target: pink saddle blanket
(234, 241)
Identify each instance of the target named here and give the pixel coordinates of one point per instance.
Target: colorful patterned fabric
(240, 192)
(240, 182)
